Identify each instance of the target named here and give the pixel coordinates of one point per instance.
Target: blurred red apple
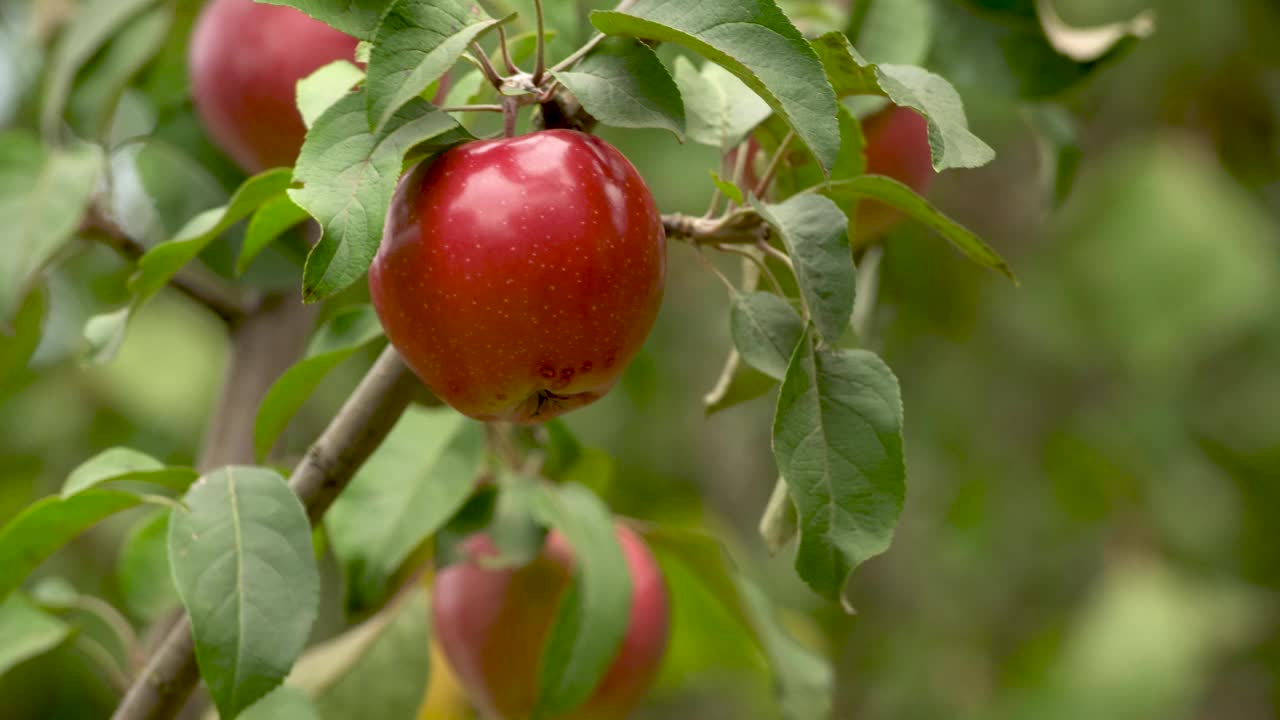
(245, 63)
(518, 277)
(493, 623)
(897, 145)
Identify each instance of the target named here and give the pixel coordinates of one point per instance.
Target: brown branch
(742, 227)
(225, 302)
(351, 437)
(264, 344)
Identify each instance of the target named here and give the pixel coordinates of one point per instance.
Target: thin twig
(326, 469)
(540, 53)
(710, 267)
(591, 44)
(580, 53)
(224, 301)
(742, 227)
(473, 108)
(776, 254)
(740, 167)
(478, 58)
(766, 180)
(506, 52)
(758, 261)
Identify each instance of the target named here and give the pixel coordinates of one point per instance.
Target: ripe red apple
(245, 62)
(517, 277)
(897, 145)
(492, 625)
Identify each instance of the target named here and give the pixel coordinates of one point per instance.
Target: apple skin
(517, 277)
(897, 145)
(492, 625)
(244, 64)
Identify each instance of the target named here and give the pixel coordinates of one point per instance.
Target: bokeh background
(1092, 528)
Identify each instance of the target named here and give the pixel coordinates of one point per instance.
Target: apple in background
(517, 277)
(897, 145)
(493, 623)
(244, 63)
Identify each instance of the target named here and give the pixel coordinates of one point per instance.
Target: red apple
(245, 63)
(517, 277)
(492, 625)
(897, 145)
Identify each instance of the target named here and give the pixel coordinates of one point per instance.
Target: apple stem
(510, 113)
(762, 187)
(540, 54)
(506, 52)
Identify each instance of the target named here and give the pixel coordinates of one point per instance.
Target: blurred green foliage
(1093, 457)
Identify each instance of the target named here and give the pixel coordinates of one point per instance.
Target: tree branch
(742, 227)
(351, 437)
(264, 344)
(226, 302)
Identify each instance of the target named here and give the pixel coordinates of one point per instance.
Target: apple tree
(328, 178)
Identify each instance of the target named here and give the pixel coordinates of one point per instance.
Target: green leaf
(593, 616)
(893, 193)
(799, 170)
(896, 31)
(161, 262)
(26, 632)
(104, 334)
(346, 332)
(729, 189)
(418, 479)
(244, 567)
(156, 188)
(623, 83)
(815, 233)
(124, 464)
(738, 383)
(146, 583)
(953, 145)
(93, 103)
(269, 222)
(43, 195)
(91, 26)
(1058, 142)
(387, 657)
(837, 437)
(721, 110)
(708, 560)
(283, 703)
(357, 18)
(417, 42)
(48, 524)
(753, 40)
(765, 330)
(803, 680)
(321, 89)
(349, 175)
(19, 343)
